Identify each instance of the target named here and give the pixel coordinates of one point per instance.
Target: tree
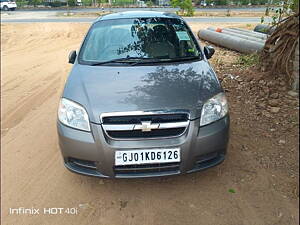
(186, 6)
(279, 49)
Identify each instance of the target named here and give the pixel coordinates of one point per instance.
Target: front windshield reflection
(162, 38)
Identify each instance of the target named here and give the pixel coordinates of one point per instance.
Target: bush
(122, 2)
(186, 6)
(71, 2)
(221, 2)
(87, 2)
(149, 3)
(22, 3)
(57, 4)
(248, 60)
(34, 2)
(102, 1)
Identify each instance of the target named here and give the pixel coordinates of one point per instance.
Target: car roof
(137, 14)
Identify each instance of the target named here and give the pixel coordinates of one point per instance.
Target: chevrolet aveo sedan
(142, 100)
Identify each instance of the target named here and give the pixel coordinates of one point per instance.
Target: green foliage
(222, 2)
(207, 1)
(21, 3)
(87, 2)
(295, 6)
(242, 2)
(123, 2)
(34, 2)
(102, 1)
(71, 2)
(218, 2)
(231, 190)
(149, 3)
(57, 4)
(280, 10)
(248, 60)
(186, 6)
(258, 2)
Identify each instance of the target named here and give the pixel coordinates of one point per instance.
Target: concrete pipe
(248, 32)
(264, 28)
(231, 42)
(240, 35)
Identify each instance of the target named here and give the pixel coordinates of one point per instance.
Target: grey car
(142, 100)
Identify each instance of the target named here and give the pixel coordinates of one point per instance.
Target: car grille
(147, 169)
(135, 119)
(152, 134)
(144, 125)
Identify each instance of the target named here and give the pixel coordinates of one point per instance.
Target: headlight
(73, 115)
(214, 109)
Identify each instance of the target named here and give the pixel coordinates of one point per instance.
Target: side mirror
(72, 57)
(209, 51)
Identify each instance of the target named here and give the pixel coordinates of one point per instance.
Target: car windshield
(137, 39)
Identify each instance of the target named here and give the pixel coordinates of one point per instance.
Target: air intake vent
(147, 169)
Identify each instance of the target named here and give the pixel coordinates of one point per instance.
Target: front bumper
(93, 153)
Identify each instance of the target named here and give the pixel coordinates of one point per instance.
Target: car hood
(184, 86)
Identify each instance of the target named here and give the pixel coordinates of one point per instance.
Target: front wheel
(12, 9)
(5, 8)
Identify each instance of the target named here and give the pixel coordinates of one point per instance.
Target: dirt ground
(256, 185)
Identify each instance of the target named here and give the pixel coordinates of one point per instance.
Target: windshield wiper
(140, 60)
(125, 60)
(178, 59)
(162, 59)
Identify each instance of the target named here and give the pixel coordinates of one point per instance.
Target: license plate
(146, 156)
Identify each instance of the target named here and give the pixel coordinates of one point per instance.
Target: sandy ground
(33, 71)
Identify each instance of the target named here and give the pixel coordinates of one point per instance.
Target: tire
(13, 9)
(5, 8)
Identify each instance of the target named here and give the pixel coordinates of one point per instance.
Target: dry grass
(230, 14)
(196, 14)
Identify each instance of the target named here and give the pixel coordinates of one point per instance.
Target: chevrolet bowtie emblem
(147, 126)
